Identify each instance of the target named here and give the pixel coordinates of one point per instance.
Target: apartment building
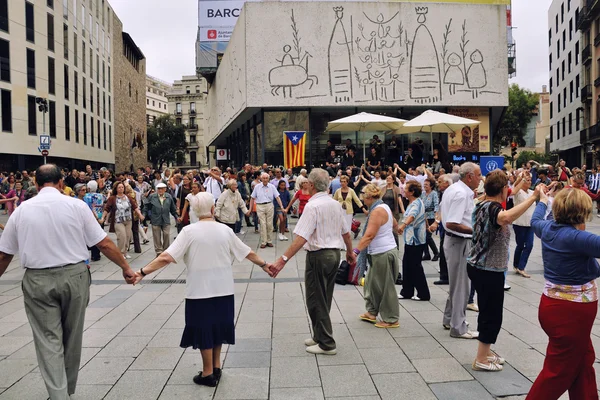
(156, 98)
(187, 100)
(567, 83)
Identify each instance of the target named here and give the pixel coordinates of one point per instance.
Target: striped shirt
(322, 223)
(594, 182)
(415, 233)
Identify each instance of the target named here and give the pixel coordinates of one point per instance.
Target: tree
(165, 140)
(526, 156)
(521, 105)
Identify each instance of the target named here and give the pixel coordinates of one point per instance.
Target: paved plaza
(131, 340)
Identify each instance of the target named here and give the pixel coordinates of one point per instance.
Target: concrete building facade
(568, 84)
(131, 150)
(187, 101)
(330, 60)
(60, 51)
(156, 98)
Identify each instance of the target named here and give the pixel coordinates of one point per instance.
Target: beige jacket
(349, 198)
(226, 210)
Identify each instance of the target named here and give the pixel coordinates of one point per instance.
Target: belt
(262, 204)
(454, 235)
(315, 251)
(58, 266)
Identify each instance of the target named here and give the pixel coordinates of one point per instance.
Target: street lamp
(43, 107)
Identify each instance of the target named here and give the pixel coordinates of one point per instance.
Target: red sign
(212, 33)
(44, 152)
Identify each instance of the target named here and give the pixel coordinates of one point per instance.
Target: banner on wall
(470, 139)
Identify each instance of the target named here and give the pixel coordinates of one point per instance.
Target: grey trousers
(456, 251)
(55, 302)
(161, 235)
(380, 286)
(319, 277)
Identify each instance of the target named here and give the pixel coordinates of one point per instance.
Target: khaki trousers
(55, 302)
(380, 286)
(265, 217)
(162, 237)
(124, 235)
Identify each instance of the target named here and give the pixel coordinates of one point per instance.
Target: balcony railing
(192, 145)
(586, 93)
(597, 82)
(192, 112)
(583, 136)
(597, 40)
(592, 6)
(193, 127)
(177, 112)
(594, 133)
(586, 54)
(583, 21)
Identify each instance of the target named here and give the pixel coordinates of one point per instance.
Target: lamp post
(43, 107)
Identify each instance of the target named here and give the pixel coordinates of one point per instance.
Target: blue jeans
(524, 238)
(238, 224)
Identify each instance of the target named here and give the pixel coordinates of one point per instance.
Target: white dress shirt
(214, 187)
(264, 193)
(457, 207)
(525, 218)
(322, 223)
(51, 230)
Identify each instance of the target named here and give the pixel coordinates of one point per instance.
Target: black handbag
(341, 277)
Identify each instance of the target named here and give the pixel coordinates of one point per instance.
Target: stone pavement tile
(91, 392)
(290, 372)
(158, 312)
(166, 338)
(248, 345)
(98, 337)
(31, 387)
(94, 314)
(10, 344)
(7, 327)
(87, 353)
(125, 346)
(427, 317)
(13, 370)
(315, 393)
(245, 317)
(107, 302)
(507, 382)
(104, 371)
(422, 347)
(189, 364)
(289, 310)
(408, 386)
(468, 390)
(187, 392)
(259, 295)
(252, 382)
(285, 326)
(253, 330)
(370, 337)
(464, 351)
(25, 352)
(259, 305)
(23, 330)
(290, 346)
(409, 329)
(347, 354)
(139, 384)
(440, 334)
(158, 358)
(346, 380)
(248, 360)
(385, 361)
(17, 316)
(140, 327)
(354, 398)
(441, 370)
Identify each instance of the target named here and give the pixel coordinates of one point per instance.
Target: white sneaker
(309, 342)
(506, 287)
(415, 297)
(284, 238)
(127, 256)
(467, 335)
(473, 307)
(242, 232)
(317, 350)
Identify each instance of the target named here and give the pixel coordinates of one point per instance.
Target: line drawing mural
(425, 76)
(291, 71)
(339, 60)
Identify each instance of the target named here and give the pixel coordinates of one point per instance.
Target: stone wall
(129, 108)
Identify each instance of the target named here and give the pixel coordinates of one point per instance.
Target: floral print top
(585, 293)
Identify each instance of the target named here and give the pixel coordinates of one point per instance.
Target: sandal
(385, 325)
(523, 274)
(364, 317)
(496, 359)
(490, 367)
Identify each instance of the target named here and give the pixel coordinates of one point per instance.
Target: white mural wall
(310, 54)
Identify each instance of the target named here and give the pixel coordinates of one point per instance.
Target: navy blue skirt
(208, 322)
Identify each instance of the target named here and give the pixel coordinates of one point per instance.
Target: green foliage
(165, 140)
(525, 156)
(521, 105)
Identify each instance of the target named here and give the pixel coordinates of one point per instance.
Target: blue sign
(45, 142)
(490, 163)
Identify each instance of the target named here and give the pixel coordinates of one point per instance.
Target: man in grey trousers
(159, 208)
(456, 209)
(57, 280)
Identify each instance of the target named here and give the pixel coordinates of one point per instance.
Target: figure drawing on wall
(339, 60)
(292, 71)
(425, 75)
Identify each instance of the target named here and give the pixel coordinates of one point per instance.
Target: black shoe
(217, 373)
(250, 226)
(95, 259)
(426, 257)
(399, 280)
(435, 258)
(441, 282)
(210, 380)
(356, 234)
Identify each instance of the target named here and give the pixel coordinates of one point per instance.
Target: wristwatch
(284, 258)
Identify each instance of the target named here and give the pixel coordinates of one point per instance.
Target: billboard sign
(219, 14)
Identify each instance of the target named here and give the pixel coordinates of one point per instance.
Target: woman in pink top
(302, 195)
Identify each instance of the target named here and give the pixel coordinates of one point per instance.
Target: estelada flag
(294, 147)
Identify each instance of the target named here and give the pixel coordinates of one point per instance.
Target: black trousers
(414, 276)
(489, 286)
(430, 242)
(95, 253)
(135, 229)
(443, 263)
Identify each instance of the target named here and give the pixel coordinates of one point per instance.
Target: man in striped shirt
(593, 183)
(322, 232)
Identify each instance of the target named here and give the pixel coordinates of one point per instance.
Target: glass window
(75, 55)
(4, 15)
(50, 3)
(193, 106)
(75, 14)
(109, 110)
(91, 97)
(83, 58)
(52, 118)
(50, 33)
(51, 76)
(76, 86)
(178, 108)
(92, 131)
(84, 129)
(66, 82)
(98, 131)
(66, 41)
(76, 126)
(84, 88)
(4, 60)
(109, 137)
(82, 21)
(67, 123)
(5, 99)
(29, 23)
(66, 9)
(104, 136)
(31, 115)
(30, 68)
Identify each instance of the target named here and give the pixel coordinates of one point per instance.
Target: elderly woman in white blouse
(208, 250)
(226, 210)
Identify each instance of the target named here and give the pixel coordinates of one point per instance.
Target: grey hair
(448, 179)
(420, 170)
(303, 171)
(202, 204)
(231, 182)
(300, 180)
(264, 174)
(466, 168)
(455, 177)
(320, 178)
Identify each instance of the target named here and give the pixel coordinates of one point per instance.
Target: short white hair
(447, 178)
(303, 171)
(230, 183)
(320, 179)
(455, 177)
(264, 174)
(92, 186)
(467, 168)
(202, 204)
(300, 180)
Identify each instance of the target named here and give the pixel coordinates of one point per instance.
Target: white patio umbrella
(435, 121)
(363, 122)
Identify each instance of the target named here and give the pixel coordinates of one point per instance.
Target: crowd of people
(406, 203)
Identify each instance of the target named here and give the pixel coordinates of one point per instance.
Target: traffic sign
(45, 142)
(44, 153)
